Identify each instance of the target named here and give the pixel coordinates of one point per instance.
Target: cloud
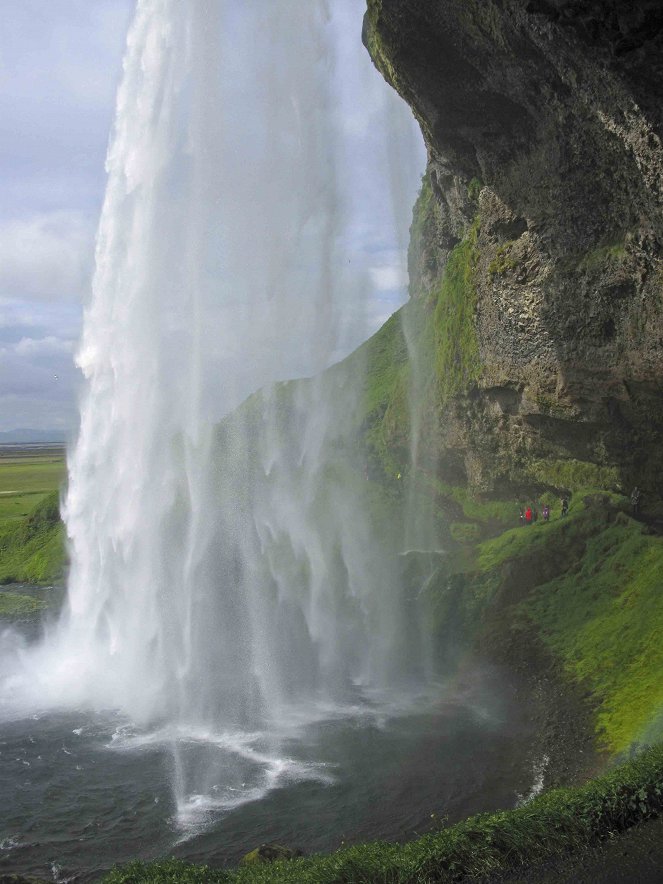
(47, 256)
(48, 346)
(59, 66)
(38, 382)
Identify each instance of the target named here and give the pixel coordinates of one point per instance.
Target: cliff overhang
(543, 126)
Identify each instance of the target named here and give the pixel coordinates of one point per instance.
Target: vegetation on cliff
(32, 550)
(589, 587)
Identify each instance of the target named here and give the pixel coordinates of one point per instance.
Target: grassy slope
(32, 550)
(32, 547)
(593, 586)
(604, 617)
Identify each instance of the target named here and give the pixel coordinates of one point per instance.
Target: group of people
(530, 514)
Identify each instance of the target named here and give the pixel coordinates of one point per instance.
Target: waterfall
(226, 577)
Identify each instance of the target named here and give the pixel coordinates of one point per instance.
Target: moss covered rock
(269, 853)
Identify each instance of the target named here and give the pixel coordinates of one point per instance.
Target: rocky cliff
(536, 249)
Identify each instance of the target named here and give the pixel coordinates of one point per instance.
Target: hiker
(636, 494)
(521, 517)
(546, 512)
(565, 506)
(528, 515)
(535, 513)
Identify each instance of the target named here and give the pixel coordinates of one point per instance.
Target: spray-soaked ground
(82, 792)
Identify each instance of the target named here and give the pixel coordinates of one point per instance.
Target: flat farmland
(27, 475)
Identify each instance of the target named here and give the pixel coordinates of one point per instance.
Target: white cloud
(47, 346)
(38, 382)
(47, 256)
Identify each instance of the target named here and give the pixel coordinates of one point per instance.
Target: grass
(488, 844)
(456, 345)
(474, 189)
(380, 423)
(604, 618)
(503, 260)
(26, 479)
(572, 473)
(32, 550)
(592, 583)
(464, 532)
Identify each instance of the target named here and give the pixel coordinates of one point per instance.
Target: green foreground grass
(592, 585)
(32, 543)
(489, 844)
(32, 550)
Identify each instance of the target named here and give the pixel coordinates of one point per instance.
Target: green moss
(604, 619)
(423, 251)
(465, 532)
(503, 261)
(482, 846)
(515, 543)
(383, 417)
(33, 550)
(385, 359)
(474, 188)
(612, 253)
(573, 474)
(13, 605)
(498, 513)
(544, 539)
(456, 345)
(591, 582)
(550, 405)
(378, 49)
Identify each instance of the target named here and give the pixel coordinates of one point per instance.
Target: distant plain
(27, 475)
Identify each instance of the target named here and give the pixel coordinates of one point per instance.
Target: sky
(60, 65)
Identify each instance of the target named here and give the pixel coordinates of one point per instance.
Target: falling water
(227, 580)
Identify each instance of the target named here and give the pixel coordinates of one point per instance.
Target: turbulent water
(228, 582)
(84, 790)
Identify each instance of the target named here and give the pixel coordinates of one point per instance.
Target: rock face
(543, 122)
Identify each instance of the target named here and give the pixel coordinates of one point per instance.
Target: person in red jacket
(528, 515)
